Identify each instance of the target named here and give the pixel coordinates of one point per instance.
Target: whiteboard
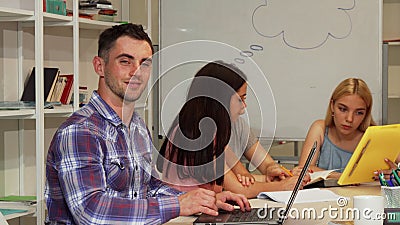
(294, 53)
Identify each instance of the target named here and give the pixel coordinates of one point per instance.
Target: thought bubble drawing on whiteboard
(301, 25)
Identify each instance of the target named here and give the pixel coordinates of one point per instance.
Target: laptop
(257, 215)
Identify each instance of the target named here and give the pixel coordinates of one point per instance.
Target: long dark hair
(197, 139)
(227, 73)
(202, 129)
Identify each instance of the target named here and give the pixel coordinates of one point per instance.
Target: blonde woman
(347, 117)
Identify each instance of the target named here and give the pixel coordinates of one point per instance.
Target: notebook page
(304, 196)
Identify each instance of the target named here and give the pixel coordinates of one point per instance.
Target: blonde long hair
(348, 87)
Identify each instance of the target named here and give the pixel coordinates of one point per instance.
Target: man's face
(128, 68)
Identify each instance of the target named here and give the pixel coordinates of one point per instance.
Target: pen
(382, 180)
(394, 181)
(389, 182)
(287, 171)
(396, 176)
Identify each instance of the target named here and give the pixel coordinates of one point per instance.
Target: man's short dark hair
(109, 36)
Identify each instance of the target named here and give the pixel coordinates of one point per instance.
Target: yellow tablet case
(377, 143)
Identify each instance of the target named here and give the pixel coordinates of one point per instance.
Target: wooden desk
(348, 191)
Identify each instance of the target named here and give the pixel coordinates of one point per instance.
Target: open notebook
(304, 196)
(320, 179)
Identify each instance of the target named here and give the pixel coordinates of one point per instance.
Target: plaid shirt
(98, 171)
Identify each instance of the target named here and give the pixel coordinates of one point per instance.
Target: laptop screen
(298, 183)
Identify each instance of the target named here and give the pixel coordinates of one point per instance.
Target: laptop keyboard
(248, 216)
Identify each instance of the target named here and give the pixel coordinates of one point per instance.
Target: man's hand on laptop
(198, 201)
(226, 199)
(208, 202)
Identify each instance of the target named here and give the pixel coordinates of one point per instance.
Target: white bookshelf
(30, 38)
(13, 14)
(17, 114)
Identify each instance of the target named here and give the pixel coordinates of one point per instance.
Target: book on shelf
(55, 7)
(105, 18)
(58, 89)
(93, 3)
(391, 40)
(67, 92)
(97, 10)
(50, 78)
(98, 5)
(83, 95)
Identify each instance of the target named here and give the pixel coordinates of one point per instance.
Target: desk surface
(324, 217)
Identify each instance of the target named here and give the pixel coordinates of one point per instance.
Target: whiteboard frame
(379, 98)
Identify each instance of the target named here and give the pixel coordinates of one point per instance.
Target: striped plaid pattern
(98, 171)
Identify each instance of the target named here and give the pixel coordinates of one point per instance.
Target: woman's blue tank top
(332, 157)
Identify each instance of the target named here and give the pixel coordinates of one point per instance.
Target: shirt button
(135, 195)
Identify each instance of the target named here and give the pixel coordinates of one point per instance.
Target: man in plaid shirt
(99, 166)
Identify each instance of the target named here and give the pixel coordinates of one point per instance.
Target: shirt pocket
(118, 173)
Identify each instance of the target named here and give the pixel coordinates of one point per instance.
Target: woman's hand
(289, 183)
(246, 179)
(275, 173)
(297, 170)
(387, 172)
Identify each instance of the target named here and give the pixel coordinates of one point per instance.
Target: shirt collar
(104, 109)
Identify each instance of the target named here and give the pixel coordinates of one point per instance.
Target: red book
(66, 93)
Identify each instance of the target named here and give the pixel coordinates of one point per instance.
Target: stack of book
(62, 91)
(102, 10)
(57, 87)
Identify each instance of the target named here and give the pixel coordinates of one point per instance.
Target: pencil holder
(391, 196)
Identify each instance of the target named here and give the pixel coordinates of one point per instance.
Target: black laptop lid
(298, 183)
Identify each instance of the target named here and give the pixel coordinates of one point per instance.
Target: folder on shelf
(50, 78)
(6, 212)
